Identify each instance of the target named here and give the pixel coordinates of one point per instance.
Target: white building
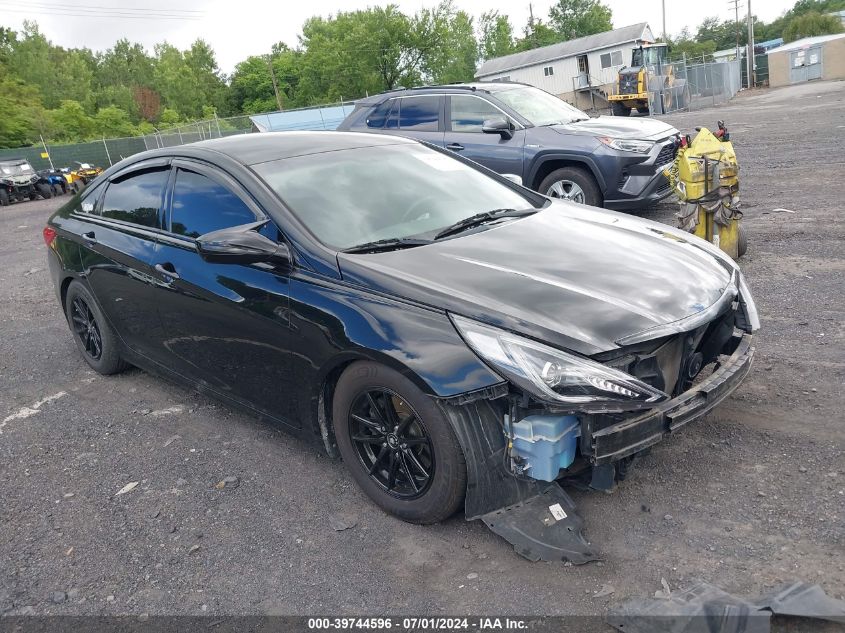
(571, 69)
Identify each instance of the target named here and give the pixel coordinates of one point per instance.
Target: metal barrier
(106, 152)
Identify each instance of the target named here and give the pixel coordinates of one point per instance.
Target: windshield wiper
(389, 244)
(482, 218)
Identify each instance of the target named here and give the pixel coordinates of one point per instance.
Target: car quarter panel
(335, 323)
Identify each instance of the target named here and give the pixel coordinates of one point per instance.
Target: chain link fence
(697, 85)
(108, 151)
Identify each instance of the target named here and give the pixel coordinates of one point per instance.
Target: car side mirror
(497, 126)
(242, 245)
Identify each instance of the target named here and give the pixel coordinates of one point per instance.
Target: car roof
(261, 147)
(480, 86)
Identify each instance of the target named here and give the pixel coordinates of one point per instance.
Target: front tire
(45, 191)
(620, 109)
(397, 444)
(93, 335)
(572, 183)
(4, 198)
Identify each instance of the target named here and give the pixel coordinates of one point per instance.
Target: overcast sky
(249, 27)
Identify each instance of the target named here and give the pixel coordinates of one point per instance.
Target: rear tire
(371, 402)
(620, 109)
(45, 191)
(741, 241)
(4, 198)
(643, 110)
(93, 335)
(562, 182)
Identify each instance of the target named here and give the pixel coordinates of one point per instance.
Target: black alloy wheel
(86, 328)
(391, 443)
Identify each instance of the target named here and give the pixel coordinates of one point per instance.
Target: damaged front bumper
(538, 517)
(627, 437)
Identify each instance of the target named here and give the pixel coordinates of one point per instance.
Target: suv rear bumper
(630, 436)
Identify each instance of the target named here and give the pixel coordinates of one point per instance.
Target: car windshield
(539, 107)
(355, 196)
(15, 169)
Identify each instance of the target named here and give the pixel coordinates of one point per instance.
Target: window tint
(379, 116)
(420, 113)
(200, 206)
(137, 198)
(469, 113)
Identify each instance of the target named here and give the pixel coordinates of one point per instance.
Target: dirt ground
(750, 496)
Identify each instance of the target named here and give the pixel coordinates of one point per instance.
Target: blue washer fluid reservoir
(547, 443)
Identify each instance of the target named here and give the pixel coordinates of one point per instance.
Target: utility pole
(736, 7)
(275, 85)
(663, 3)
(750, 47)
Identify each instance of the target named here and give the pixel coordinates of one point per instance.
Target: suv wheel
(572, 183)
(397, 444)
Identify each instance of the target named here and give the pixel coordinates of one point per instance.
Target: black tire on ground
(620, 109)
(108, 361)
(643, 110)
(446, 488)
(578, 175)
(33, 194)
(741, 241)
(77, 186)
(45, 191)
(4, 198)
(57, 190)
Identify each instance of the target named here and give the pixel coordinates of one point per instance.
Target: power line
(94, 16)
(61, 5)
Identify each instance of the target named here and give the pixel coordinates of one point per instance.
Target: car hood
(576, 277)
(645, 128)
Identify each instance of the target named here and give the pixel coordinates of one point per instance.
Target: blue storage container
(547, 443)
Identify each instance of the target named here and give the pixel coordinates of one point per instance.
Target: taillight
(49, 235)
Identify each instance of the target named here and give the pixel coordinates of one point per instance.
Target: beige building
(821, 57)
(580, 71)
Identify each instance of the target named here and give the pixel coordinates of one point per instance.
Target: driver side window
(201, 205)
(469, 113)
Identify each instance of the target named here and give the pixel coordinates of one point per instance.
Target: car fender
(544, 158)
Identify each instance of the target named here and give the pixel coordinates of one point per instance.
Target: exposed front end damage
(520, 448)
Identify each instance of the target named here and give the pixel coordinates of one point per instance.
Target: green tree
(70, 122)
(811, 24)
(456, 58)
(496, 35)
(577, 18)
(169, 118)
(535, 35)
(20, 111)
(112, 121)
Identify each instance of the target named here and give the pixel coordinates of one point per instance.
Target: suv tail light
(49, 235)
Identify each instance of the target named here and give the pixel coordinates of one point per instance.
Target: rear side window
(136, 198)
(379, 117)
(90, 199)
(200, 206)
(420, 113)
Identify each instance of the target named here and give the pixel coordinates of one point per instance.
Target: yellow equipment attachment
(705, 177)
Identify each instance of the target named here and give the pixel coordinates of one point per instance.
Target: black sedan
(456, 338)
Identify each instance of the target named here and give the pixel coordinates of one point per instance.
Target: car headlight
(748, 304)
(553, 375)
(625, 145)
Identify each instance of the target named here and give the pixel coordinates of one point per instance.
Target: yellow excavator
(705, 177)
(649, 84)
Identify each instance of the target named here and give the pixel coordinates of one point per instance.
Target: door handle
(455, 147)
(167, 270)
(90, 237)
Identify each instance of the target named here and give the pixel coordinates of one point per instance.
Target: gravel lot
(748, 497)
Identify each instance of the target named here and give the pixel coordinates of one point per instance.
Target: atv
(56, 179)
(18, 181)
(87, 172)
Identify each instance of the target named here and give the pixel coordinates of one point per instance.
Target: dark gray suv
(519, 130)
